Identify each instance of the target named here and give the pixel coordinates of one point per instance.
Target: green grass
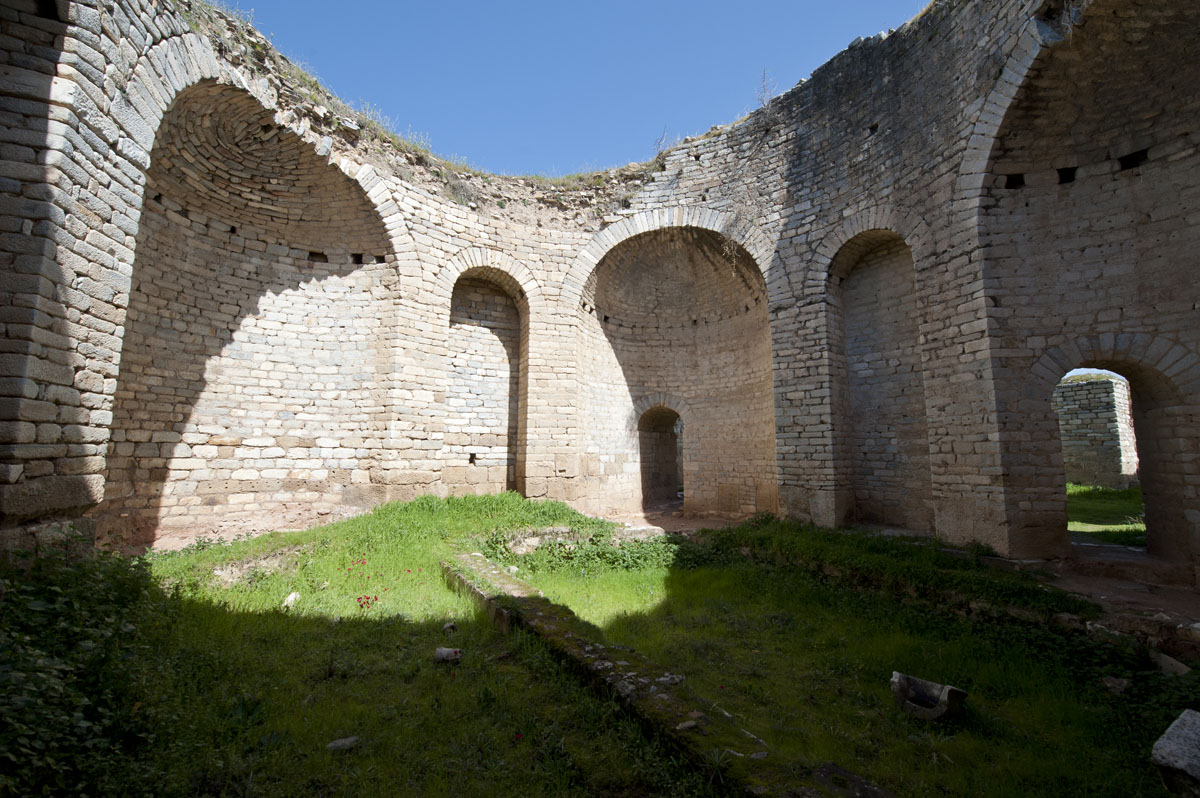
(182, 675)
(1112, 516)
(803, 660)
(225, 693)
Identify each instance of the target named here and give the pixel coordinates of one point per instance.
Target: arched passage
(248, 395)
(679, 311)
(1165, 426)
(660, 447)
(881, 443)
(1093, 176)
(487, 388)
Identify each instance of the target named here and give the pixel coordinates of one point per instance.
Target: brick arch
(496, 267)
(760, 249)
(658, 399)
(971, 182)
(874, 223)
(1162, 365)
(152, 88)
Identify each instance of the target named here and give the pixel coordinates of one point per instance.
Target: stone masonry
(1096, 428)
(230, 304)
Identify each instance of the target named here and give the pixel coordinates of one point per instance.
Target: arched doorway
(660, 444)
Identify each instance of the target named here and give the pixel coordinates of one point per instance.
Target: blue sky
(560, 87)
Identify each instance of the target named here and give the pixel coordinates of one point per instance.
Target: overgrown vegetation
(70, 627)
(802, 657)
(209, 687)
(912, 567)
(1107, 515)
(185, 673)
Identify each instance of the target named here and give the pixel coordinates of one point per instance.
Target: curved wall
(247, 397)
(922, 132)
(1091, 248)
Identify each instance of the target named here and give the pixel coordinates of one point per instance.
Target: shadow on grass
(796, 632)
(111, 685)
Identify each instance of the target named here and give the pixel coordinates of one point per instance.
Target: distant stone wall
(1096, 427)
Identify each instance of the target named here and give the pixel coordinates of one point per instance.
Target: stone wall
(1090, 238)
(1096, 428)
(227, 303)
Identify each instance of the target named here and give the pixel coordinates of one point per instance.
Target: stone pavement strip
(696, 727)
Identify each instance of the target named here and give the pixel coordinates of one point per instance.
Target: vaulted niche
(486, 391)
(680, 313)
(249, 394)
(881, 439)
(1091, 259)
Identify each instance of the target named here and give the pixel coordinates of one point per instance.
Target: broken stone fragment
(449, 627)
(926, 700)
(1177, 755)
(342, 744)
(290, 600)
(441, 654)
(1115, 685)
(1169, 665)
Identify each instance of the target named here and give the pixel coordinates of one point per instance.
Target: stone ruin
(230, 304)
(1095, 424)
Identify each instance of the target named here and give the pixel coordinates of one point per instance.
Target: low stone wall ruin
(1096, 428)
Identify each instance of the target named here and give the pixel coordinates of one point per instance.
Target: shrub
(69, 633)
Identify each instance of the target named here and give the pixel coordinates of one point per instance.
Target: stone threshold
(706, 735)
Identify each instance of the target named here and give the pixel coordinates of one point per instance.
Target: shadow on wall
(49, 441)
(881, 443)
(681, 312)
(249, 392)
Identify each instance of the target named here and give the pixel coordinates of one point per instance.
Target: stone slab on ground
(1177, 754)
